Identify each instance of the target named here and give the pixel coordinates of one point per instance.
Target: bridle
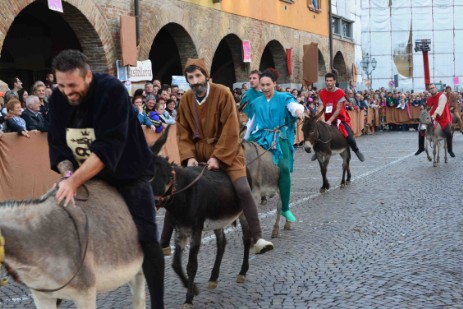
(167, 197)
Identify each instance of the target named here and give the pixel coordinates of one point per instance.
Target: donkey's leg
(137, 287)
(434, 153)
(192, 265)
(246, 246)
(445, 150)
(43, 301)
(426, 144)
(345, 166)
(323, 161)
(86, 300)
(221, 242)
(180, 243)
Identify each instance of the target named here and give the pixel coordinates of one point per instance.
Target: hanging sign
(246, 51)
(55, 5)
(456, 80)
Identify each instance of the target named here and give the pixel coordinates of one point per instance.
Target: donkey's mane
(43, 198)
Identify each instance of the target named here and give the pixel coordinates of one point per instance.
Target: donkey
(264, 176)
(50, 248)
(434, 136)
(325, 140)
(210, 204)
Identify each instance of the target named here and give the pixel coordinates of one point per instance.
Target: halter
(167, 197)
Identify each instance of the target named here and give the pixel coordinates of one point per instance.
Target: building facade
(170, 31)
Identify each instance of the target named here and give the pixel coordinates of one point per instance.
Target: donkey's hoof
(241, 279)
(167, 251)
(323, 190)
(212, 285)
(343, 185)
(275, 233)
(195, 290)
(188, 306)
(287, 226)
(435, 165)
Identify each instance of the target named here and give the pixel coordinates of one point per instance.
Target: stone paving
(392, 239)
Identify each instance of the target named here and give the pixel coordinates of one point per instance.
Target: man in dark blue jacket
(97, 108)
(32, 115)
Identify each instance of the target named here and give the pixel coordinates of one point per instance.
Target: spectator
(137, 102)
(155, 116)
(15, 84)
(173, 90)
(39, 90)
(22, 95)
(149, 88)
(171, 108)
(32, 116)
(15, 123)
(163, 93)
(9, 95)
(150, 101)
(50, 81)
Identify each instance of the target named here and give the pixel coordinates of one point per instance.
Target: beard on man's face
(199, 89)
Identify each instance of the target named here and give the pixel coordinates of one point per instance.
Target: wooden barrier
(25, 166)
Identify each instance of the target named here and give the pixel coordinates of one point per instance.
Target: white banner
(142, 72)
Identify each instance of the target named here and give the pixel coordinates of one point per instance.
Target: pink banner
(456, 80)
(246, 51)
(55, 5)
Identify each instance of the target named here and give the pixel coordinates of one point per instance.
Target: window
(346, 29)
(314, 5)
(342, 27)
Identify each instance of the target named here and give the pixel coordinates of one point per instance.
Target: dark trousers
(350, 137)
(139, 197)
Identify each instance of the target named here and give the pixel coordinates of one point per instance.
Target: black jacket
(119, 139)
(35, 121)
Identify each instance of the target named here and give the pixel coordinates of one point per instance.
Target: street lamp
(368, 66)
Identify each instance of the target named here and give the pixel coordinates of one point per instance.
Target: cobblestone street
(392, 239)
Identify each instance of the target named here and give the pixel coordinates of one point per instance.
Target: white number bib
(329, 109)
(79, 141)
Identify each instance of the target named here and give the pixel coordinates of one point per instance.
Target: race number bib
(329, 109)
(79, 141)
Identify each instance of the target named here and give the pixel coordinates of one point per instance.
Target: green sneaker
(288, 215)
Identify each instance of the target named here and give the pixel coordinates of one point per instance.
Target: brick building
(170, 32)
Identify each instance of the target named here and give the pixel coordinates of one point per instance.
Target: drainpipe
(137, 21)
(330, 28)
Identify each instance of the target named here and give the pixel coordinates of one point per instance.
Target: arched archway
(274, 56)
(37, 34)
(321, 65)
(227, 65)
(169, 52)
(340, 65)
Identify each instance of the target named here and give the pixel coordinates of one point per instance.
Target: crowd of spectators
(362, 100)
(156, 104)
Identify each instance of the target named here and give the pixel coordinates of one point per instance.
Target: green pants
(284, 183)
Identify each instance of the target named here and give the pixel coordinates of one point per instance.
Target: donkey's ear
(156, 148)
(317, 116)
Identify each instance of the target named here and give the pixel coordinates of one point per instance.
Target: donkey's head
(309, 129)
(425, 117)
(162, 167)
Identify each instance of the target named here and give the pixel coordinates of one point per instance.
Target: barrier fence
(25, 169)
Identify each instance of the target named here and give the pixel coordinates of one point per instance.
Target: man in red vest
(333, 100)
(440, 112)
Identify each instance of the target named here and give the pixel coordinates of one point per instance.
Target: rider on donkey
(94, 132)
(333, 99)
(272, 119)
(440, 112)
(208, 131)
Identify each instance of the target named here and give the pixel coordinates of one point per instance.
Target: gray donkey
(47, 246)
(434, 136)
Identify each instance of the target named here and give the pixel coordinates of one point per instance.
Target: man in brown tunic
(208, 131)
(454, 106)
